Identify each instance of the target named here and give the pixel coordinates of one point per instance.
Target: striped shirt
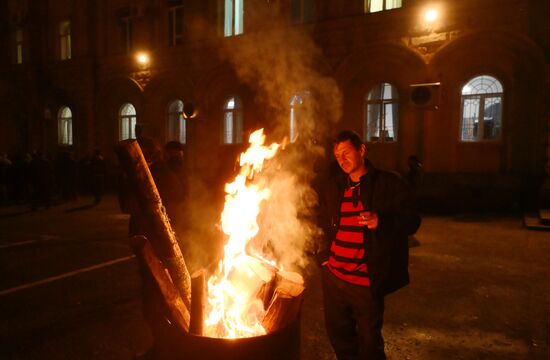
(347, 260)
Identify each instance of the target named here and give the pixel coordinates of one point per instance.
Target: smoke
(280, 61)
(199, 240)
(286, 221)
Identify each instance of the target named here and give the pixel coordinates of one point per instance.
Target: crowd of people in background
(38, 180)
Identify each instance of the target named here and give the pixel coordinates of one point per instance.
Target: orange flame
(233, 311)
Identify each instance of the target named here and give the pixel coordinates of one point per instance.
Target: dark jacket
(386, 248)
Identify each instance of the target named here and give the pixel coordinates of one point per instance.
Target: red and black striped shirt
(347, 252)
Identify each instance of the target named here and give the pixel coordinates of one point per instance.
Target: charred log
(152, 213)
(286, 302)
(198, 302)
(179, 312)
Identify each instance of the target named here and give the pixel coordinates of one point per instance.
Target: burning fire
(233, 309)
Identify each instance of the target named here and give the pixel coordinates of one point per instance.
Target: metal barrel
(281, 344)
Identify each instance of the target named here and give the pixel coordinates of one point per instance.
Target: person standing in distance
(366, 215)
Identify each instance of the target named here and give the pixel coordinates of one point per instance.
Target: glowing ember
(233, 309)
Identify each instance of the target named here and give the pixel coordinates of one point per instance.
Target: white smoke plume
(279, 61)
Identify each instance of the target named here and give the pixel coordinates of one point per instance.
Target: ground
(70, 289)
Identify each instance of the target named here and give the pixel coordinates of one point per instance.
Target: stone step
(532, 221)
(544, 216)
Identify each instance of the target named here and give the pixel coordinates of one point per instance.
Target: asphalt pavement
(69, 289)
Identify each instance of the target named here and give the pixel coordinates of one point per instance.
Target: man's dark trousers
(353, 318)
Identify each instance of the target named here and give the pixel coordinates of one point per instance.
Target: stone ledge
(533, 222)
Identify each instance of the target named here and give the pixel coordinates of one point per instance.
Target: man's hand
(369, 219)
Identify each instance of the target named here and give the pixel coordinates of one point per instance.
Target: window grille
(381, 114)
(176, 122)
(232, 121)
(481, 117)
(65, 40)
(18, 46)
(127, 122)
(65, 126)
(126, 35)
(175, 24)
(233, 17)
(298, 110)
(380, 5)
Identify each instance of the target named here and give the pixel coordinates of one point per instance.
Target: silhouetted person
(42, 181)
(5, 167)
(176, 200)
(97, 175)
(21, 178)
(84, 174)
(66, 175)
(415, 171)
(175, 159)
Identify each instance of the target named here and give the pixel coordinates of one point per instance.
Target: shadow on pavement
(15, 213)
(82, 207)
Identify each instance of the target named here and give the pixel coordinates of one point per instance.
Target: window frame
(175, 17)
(297, 110)
(299, 11)
(368, 4)
(132, 121)
(381, 121)
(18, 45)
(65, 40)
(237, 120)
(231, 20)
(64, 126)
(126, 34)
(481, 97)
(175, 119)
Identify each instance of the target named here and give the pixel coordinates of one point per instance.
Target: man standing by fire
(366, 215)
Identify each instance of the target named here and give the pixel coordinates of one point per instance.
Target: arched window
(176, 122)
(298, 111)
(127, 122)
(481, 109)
(232, 121)
(65, 126)
(381, 114)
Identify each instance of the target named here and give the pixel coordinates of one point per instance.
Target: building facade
(463, 85)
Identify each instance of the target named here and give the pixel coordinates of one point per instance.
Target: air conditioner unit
(425, 96)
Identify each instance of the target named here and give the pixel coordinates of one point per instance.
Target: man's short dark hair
(350, 135)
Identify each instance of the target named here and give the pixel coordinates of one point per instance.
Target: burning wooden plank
(266, 274)
(256, 276)
(246, 287)
(175, 305)
(198, 302)
(286, 302)
(159, 230)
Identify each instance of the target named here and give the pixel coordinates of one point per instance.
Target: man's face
(348, 157)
